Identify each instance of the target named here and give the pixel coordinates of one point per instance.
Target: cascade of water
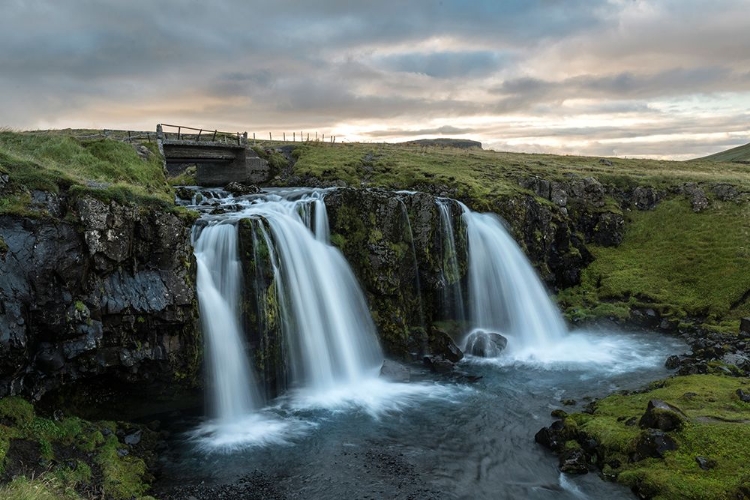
(417, 283)
(453, 298)
(506, 295)
(234, 392)
(324, 316)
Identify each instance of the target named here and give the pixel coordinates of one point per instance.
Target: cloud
(532, 72)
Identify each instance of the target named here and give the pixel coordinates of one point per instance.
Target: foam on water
(598, 352)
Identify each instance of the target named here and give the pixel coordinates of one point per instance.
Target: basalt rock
(105, 290)
(653, 443)
(663, 416)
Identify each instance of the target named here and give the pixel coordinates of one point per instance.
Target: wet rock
(394, 371)
(485, 344)
(240, 189)
(559, 413)
(555, 436)
(184, 193)
(574, 461)
(705, 463)
(653, 443)
(438, 364)
(672, 362)
(134, 438)
(663, 416)
(443, 345)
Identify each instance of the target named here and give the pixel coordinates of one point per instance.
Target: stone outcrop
(96, 290)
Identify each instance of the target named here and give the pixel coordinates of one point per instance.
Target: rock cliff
(93, 292)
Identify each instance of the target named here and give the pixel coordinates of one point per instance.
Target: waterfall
(234, 393)
(324, 316)
(505, 293)
(453, 299)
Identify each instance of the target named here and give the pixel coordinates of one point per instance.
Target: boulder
(663, 416)
(745, 325)
(705, 463)
(744, 396)
(485, 344)
(672, 362)
(653, 443)
(574, 461)
(438, 364)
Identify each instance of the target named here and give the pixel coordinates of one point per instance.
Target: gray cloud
(406, 68)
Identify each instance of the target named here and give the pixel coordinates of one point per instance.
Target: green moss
(16, 409)
(122, 475)
(716, 428)
(705, 278)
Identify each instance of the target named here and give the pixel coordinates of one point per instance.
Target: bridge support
(219, 158)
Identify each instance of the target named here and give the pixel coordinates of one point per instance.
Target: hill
(738, 154)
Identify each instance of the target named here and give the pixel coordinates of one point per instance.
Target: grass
(122, 477)
(680, 263)
(55, 162)
(716, 428)
(477, 173)
(740, 153)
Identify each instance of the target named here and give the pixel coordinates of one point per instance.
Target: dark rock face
(105, 290)
(745, 325)
(393, 243)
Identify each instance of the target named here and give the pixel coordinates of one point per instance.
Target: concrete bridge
(219, 157)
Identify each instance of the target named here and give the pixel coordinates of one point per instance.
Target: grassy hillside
(740, 153)
(55, 162)
(477, 173)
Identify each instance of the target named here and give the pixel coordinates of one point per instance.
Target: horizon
(621, 78)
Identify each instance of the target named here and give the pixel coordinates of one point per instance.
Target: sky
(660, 78)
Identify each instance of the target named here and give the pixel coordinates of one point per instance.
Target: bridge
(219, 157)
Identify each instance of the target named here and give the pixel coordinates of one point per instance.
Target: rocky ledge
(97, 292)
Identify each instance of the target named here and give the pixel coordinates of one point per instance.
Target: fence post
(284, 135)
(270, 138)
(294, 136)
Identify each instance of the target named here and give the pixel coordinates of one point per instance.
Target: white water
(505, 294)
(325, 319)
(234, 393)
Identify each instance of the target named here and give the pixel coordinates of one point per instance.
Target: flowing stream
(340, 431)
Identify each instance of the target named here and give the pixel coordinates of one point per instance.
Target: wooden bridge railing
(241, 139)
